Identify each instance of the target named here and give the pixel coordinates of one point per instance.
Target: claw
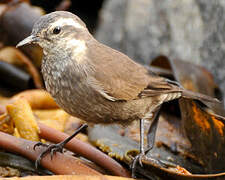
(37, 163)
(158, 162)
(39, 144)
(136, 159)
(38, 160)
(140, 161)
(52, 152)
(53, 148)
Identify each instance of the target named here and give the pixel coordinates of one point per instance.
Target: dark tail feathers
(198, 96)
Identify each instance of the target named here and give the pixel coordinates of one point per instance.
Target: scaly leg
(152, 131)
(151, 141)
(52, 148)
(142, 151)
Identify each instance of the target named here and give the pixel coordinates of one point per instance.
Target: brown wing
(120, 77)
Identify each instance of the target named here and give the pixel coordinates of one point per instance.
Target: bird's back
(121, 77)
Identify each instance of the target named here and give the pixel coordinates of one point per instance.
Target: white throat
(79, 49)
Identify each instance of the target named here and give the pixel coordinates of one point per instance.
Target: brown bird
(95, 82)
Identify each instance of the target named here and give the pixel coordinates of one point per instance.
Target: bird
(96, 83)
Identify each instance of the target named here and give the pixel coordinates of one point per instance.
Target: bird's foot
(51, 148)
(157, 162)
(40, 144)
(137, 159)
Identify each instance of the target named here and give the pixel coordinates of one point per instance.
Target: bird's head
(57, 28)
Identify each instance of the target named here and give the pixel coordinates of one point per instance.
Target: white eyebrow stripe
(67, 21)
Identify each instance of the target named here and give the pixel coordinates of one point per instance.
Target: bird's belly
(96, 109)
(80, 100)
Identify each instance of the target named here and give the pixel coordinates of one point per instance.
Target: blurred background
(190, 30)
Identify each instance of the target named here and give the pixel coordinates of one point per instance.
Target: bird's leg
(151, 140)
(52, 148)
(152, 131)
(142, 151)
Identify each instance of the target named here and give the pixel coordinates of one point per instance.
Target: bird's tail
(198, 96)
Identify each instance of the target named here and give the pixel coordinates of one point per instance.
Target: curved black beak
(30, 39)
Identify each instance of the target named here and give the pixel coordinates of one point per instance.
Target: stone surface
(191, 30)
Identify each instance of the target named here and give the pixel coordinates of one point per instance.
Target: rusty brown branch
(84, 150)
(63, 164)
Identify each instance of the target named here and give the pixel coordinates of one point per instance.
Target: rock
(111, 23)
(191, 30)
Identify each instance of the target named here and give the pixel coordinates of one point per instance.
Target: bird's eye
(56, 30)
